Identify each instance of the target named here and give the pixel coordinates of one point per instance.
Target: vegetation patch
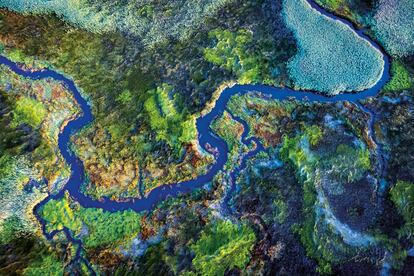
(331, 4)
(400, 78)
(223, 246)
(402, 194)
(231, 51)
(176, 128)
(29, 111)
(347, 164)
(97, 228)
(47, 265)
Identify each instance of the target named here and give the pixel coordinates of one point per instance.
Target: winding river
(205, 136)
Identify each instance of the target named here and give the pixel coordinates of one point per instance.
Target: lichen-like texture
(331, 57)
(394, 26)
(151, 21)
(222, 247)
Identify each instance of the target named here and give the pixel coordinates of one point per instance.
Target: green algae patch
(48, 265)
(171, 125)
(400, 78)
(331, 57)
(239, 53)
(94, 226)
(402, 195)
(223, 246)
(29, 111)
(331, 4)
(231, 53)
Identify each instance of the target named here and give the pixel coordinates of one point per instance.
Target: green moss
(314, 134)
(48, 265)
(103, 228)
(59, 214)
(231, 52)
(296, 149)
(125, 97)
(29, 111)
(19, 56)
(6, 166)
(221, 247)
(348, 164)
(169, 124)
(107, 228)
(331, 4)
(281, 210)
(402, 195)
(10, 228)
(400, 78)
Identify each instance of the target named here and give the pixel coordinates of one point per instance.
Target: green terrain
(309, 187)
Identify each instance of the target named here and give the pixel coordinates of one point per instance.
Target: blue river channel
(205, 136)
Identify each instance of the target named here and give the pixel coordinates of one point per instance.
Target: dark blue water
(205, 136)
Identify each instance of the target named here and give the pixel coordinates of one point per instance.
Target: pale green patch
(29, 111)
(221, 247)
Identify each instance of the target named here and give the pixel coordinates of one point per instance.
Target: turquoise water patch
(331, 57)
(394, 25)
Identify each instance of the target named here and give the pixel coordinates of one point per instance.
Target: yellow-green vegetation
(331, 4)
(348, 164)
(223, 246)
(400, 78)
(125, 97)
(11, 228)
(29, 111)
(169, 124)
(402, 194)
(103, 228)
(48, 265)
(314, 134)
(59, 214)
(6, 165)
(295, 149)
(232, 52)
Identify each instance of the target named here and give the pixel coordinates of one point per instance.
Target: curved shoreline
(205, 136)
